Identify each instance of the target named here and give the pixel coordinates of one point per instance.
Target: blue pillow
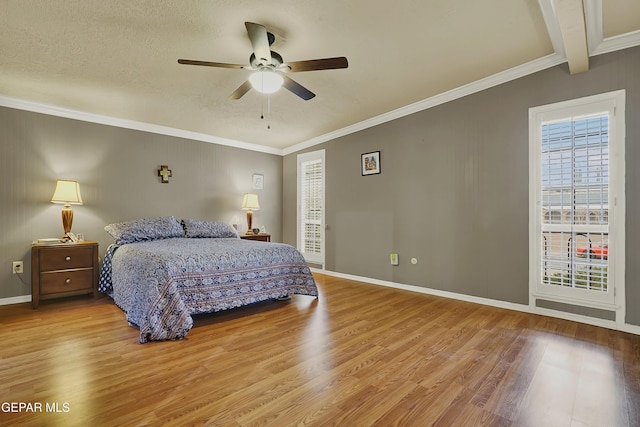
(195, 228)
(139, 230)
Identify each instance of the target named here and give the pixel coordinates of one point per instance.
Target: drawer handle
(68, 258)
(67, 281)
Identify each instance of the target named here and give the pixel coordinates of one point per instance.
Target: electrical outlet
(394, 259)
(18, 267)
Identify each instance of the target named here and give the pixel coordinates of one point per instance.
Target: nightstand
(63, 269)
(262, 237)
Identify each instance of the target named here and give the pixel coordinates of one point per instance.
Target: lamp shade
(266, 81)
(250, 202)
(67, 192)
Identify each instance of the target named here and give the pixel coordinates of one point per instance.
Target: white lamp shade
(250, 202)
(67, 192)
(266, 81)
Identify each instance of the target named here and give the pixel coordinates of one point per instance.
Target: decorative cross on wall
(164, 172)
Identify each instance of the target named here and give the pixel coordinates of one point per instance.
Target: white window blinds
(311, 206)
(575, 203)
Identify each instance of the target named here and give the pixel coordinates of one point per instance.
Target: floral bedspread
(159, 284)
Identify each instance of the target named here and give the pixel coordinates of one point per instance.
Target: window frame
(612, 103)
(313, 156)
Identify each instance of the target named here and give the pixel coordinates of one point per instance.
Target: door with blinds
(575, 207)
(311, 179)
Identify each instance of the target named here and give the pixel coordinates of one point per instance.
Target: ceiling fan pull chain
(269, 111)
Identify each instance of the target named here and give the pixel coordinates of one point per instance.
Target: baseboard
(428, 291)
(15, 300)
(632, 329)
(625, 327)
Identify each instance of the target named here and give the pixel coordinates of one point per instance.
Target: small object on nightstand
(64, 269)
(48, 241)
(256, 231)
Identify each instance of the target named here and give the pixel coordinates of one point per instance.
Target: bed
(160, 272)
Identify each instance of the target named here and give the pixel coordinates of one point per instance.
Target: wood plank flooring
(359, 355)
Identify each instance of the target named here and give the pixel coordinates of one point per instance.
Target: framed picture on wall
(258, 181)
(370, 163)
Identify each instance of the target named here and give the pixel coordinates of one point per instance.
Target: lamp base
(249, 221)
(67, 220)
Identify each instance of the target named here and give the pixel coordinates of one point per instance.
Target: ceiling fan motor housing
(276, 61)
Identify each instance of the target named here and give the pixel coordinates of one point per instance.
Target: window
(577, 201)
(311, 168)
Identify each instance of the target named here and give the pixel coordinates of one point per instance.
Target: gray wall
(453, 191)
(117, 171)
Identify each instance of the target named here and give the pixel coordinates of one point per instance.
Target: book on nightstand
(51, 241)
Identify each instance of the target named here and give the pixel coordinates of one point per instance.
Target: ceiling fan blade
(317, 64)
(259, 41)
(211, 64)
(297, 88)
(239, 93)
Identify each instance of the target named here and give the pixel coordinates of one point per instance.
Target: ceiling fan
(270, 69)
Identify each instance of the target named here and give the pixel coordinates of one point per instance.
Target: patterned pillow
(195, 228)
(139, 230)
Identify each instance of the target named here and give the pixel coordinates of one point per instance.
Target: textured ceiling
(118, 58)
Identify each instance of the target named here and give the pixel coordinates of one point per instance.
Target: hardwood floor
(359, 355)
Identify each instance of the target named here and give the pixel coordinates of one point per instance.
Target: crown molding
(35, 107)
(620, 42)
(593, 24)
(553, 25)
(459, 92)
(597, 46)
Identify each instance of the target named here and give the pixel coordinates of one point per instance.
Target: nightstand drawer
(262, 237)
(66, 281)
(66, 258)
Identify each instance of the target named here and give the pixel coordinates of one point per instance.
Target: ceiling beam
(574, 34)
(566, 25)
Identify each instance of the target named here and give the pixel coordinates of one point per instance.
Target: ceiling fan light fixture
(266, 81)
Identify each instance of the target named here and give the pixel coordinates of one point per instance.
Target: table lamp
(67, 193)
(249, 203)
